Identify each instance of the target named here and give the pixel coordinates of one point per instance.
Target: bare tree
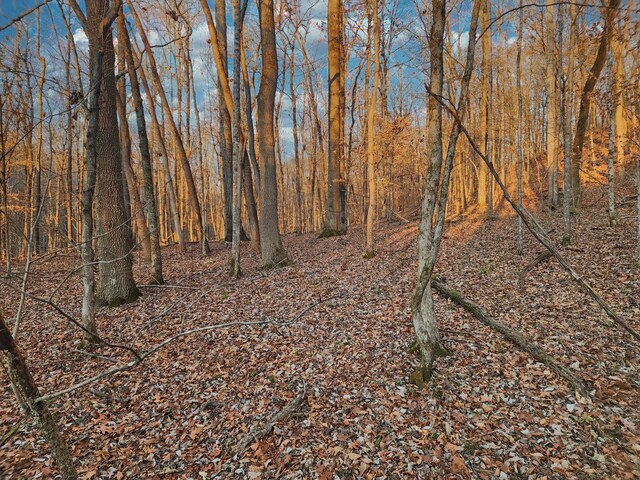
(273, 253)
(336, 212)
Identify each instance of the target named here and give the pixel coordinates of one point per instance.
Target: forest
(323, 239)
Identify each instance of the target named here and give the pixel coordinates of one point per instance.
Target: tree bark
(610, 12)
(155, 266)
(27, 392)
(369, 250)
(115, 284)
(336, 214)
(273, 253)
(552, 107)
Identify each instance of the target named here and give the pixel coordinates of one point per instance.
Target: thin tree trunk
(610, 12)
(520, 127)
(173, 201)
(234, 262)
(565, 110)
(181, 152)
(552, 108)
(369, 251)
(155, 270)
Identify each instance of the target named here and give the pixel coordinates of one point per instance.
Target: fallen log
(266, 428)
(578, 385)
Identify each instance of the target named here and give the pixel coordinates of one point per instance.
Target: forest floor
(490, 411)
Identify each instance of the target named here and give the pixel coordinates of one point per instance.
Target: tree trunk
(234, 262)
(552, 108)
(520, 126)
(27, 392)
(273, 253)
(155, 267)
(610, 12)
(424, 319)
(113, 242)
(369, 251)
(159, 136)
(336, 214)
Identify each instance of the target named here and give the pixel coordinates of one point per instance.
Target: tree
(155, 266)
(586, 98)
(273, 253)
(238, 19)
(181, 152)
(336, 212)
(371, 112)
(436, 190)
(24, 386)
(552, 106)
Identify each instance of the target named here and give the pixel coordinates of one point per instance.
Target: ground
(490, 411)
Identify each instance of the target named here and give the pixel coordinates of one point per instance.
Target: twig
(94, 355)
(265, 429)
(11, 432)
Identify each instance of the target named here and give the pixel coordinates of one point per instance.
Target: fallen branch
(265, 429)
(582, 393)
(11, 432)
(532, 223)
(539, 259)
(144, 355)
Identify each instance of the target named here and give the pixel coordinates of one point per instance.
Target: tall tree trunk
(637, 259)
(296, 142)
(611, 204)
(273, 253)
(436, 189)
(159, 136)
(234, 262)
(484, 184)
(150, 207)
(610, 12)
(552, 107)
(520, 131)
(336, 214)
(565, 111)
(424, 320)
(37, 178)
(181, 152)
(115, 284)
(369, 251)
(137, 212)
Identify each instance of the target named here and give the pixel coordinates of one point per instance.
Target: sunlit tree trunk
(273, 253)
(520, 130)
(336, 214)
(371, 114)
(115, 284)
(552, 106)
(586, 99)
